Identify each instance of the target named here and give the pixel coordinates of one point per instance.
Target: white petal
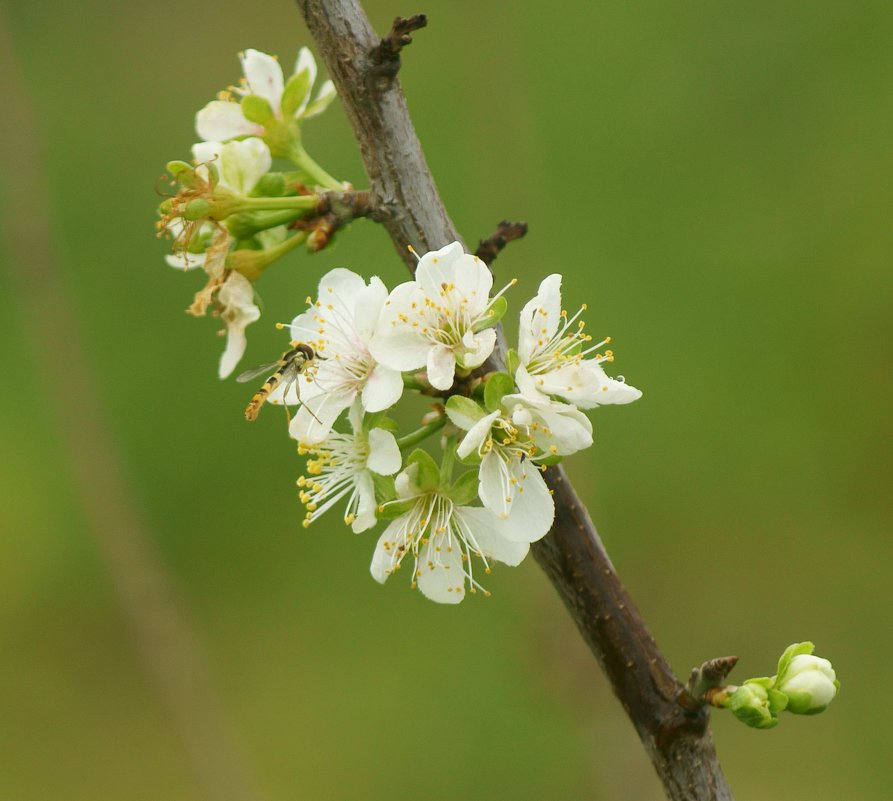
(305, 61)
(243, 163)
(532, 509)
(435, 269)
(608, 391)
(367, 306)
(306, 328)
(383, 559)
(478, 347)
(441, 575)
(383, 388)
(487, 535)
(236, 342)
(321, 102)
(474, 281)
(314, 420)
(540, 317)
(340, 284)
(477, 432)
(366, 506)
(401, 348)
(384, 454)
(441, 364)
(264, 76)
(494, 484)
(221, 120)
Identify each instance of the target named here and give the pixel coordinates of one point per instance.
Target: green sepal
(182, 172)
(463, 412)
(394, 509)
(465, 488)
(384, 488)
(493, 315)
(497, 386)
(784, 663)
(378, 420)
(777, 701)
(296, 92)
(427, 475)
(270, 185)
(319, 105)
(257, 109)
(512, 361)
(548, 461)
(197, 209)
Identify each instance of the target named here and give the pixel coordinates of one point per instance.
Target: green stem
(251, 263)
(449, 459)
(293, 203)
(244, 226)
(421, 434)
(302, 158)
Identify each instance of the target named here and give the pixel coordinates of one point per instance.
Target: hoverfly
(287, 370)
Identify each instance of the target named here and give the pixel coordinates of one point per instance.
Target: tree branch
(488, 249)
(676, 738)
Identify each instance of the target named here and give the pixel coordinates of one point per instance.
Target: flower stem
(302, 158)
(294, 203)
(251, 263)
(411, 382)
(420, 434)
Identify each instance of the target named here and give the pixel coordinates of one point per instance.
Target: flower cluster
(237, 208)
(434, 334)
(232, 214)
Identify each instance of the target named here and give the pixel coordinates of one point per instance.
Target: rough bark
(673, 728)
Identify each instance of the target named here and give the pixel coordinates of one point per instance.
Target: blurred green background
(713, 178)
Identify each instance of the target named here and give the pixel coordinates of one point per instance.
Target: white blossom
(810, 684)
(342, 467)
(239, 165)
(339, 326)
(223, 119)
(509, 480)
(443, 540)
(558, 356)
(440, 320)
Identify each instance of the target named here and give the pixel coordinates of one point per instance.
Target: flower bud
(756, 705)
(809, 683)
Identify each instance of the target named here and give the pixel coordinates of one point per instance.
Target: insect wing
(257, 372)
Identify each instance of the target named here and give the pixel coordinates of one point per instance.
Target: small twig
(333, 211)
(709, 676)
(386, 55)
(488, 249)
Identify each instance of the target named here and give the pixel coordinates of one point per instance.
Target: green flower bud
(755, 705)
(197, 209)
(270, 185)
(809, 683)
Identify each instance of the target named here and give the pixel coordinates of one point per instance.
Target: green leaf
(512, 361)
(463, 412)
(465, 489)
(384, 487)
(295, 93)
(497, 386)
(790, 652)
(493, 315)
(428, 473)
(394, 509)
(257, 109)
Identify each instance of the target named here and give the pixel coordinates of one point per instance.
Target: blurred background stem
(169, 649)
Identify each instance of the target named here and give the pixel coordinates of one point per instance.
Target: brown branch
(488, 249)
(386, 55)
(676, 739)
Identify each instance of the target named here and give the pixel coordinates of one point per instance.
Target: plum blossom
(224, 119)
(443, 539)
(509, 479)
(442, 320)
(339, 326)
(342, 467)
(553, 351)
